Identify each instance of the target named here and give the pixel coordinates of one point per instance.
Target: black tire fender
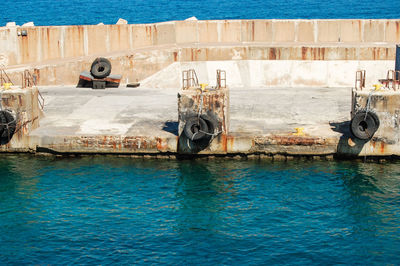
(212, 123)
(195, 128)
(3, 123)
(11, 124)
(101, 68)
(364, 125)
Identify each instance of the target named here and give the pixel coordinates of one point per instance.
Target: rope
(368, 104)
(200, 111)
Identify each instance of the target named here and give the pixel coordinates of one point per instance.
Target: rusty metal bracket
(360, 79)
(4, 78)
(392, 80)
(221, 79)
(189, 79)
(28, 80)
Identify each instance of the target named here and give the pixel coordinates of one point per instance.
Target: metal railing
(29, 80)
(360, 79)
(4, 78)
(189, 79)
(392, 80)
(221, 79)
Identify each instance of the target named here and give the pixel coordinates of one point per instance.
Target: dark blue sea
(109, 210)
(75, 12)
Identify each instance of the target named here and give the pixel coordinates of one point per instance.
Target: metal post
(397, 65)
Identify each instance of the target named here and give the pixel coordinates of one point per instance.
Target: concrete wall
(44, 44)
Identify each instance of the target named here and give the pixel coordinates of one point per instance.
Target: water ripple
(101, 210)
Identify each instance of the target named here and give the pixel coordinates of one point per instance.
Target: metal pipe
(397, 65)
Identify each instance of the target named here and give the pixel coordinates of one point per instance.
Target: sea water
(109, 210)
(76, 12)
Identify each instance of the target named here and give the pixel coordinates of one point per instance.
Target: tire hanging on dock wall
(8, 125)
(195, 128)
(364, 124)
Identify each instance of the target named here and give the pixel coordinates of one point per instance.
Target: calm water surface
(67, 12)
(103, 210)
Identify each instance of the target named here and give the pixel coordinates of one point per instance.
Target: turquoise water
(67, 12)
(106, 210)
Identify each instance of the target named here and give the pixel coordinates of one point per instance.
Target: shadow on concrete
(171, 127)
(348, 146)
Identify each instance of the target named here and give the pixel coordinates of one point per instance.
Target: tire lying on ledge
(195, 128)
(101, 68)
(8, 124)
(364, 124)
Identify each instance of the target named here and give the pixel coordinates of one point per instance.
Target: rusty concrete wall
(385, 141)
(43, 44)
(24, 103)
(301, 66)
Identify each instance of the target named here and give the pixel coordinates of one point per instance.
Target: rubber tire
(190, 123)
(212, 124)
(3, 121)
(364, 125)
(8, 132)
(101, 68)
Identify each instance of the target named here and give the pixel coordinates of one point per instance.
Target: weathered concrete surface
(385, 142)
(24, 104)
(46, 43)
(263, 64)
(214, 103)
(143, 120)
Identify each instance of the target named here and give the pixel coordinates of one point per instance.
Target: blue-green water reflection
(102, 210)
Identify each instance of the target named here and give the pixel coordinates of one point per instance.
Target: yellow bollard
(7, 86)
(203, 86)
(299, 131)
(377, 87)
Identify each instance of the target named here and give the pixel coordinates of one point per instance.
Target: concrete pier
(145, 121)
(289, 85)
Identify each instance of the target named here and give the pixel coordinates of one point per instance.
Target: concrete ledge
(140, 64)
(58, 42)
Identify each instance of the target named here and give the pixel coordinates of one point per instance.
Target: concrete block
(208, 31)
(350, 30)
(309, 74)
(186, 31)
(30, 45)
(256, 31)
(122, 21)
(98, 39)
(305, 31)
(51, 44)
(73, 41)
(392, 31)
(11, 24)
(284, 31)
(230, 31)
(191, 19)
(385, 141)
(24, 105)
(213, 105)
(164, 33)
(119, 37)
(142, 35)
(28, 24)
(373, 31)
(328, 31)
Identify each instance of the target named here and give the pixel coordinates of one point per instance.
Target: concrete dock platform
(145, 120)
